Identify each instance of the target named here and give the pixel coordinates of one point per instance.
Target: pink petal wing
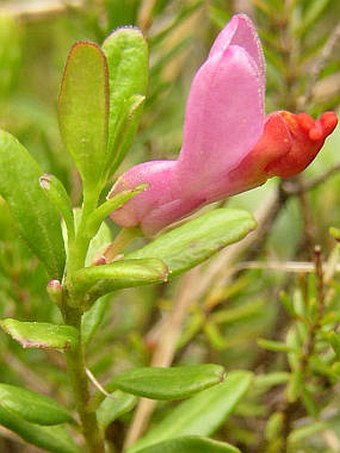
(224, 116)
(224, 120)
(240, 31)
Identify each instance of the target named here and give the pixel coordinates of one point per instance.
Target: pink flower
(229, 145)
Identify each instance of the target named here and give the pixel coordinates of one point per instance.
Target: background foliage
(268, 304)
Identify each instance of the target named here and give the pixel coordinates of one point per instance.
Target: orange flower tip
(317, 129)
(316, 132)
(306, 122)
(329, 121)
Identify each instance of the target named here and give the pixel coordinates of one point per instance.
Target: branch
(287, 266)
(291, 189)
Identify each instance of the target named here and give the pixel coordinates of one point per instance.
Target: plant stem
(120, 241)
(79, 247)
(72, 315)
(77, 372)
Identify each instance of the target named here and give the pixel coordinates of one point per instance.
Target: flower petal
(240, 31)
(224, 116)
(158, 175)
(306, 138)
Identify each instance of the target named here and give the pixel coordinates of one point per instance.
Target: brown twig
(290, 188)
(319, 273)
(295, 267)
(145, 18)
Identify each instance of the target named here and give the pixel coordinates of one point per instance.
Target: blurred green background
(239, 305)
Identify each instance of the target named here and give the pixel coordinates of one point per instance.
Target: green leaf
(240, 313)
(11, 49)
(101, 237)
(84, 109)
(201, 414)
(214, 335)
(168, 383)
(38, 221)
(31, 406)
(49, 438)
(41, 334)
(111, 204)
(198, 239)
(92, 319)
(127, 56)
(310, 16)
(99, 243)
(295, 384)
(57, 194)
(113, 406)
(184, 12)
(276, 346)
(191, 444)
(274, 427)
(266, 381)
(298, 434)
(95, 281)
(125, 131)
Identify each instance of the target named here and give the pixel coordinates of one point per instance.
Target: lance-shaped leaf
(113, 406)
(93, 318)
(111, 204)
(31, 406)
(190, 444)
(168, 383)
(41, 335)
(195, 241)
(84, 109)
(125, 131)
(200, 415)
(127, 56)
(56, 192)
(37, 219)
(98, 244)
(48, 438)
(95, 281)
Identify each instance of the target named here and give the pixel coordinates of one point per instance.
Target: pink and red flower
(229, 144)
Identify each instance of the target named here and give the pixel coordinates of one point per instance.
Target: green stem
(76, 369)
(79, 247)
(73, 316)
(120, 241)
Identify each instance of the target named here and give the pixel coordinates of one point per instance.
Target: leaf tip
(125, 29)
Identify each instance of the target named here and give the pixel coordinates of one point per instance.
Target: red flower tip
(304, 137)
(317, 129)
